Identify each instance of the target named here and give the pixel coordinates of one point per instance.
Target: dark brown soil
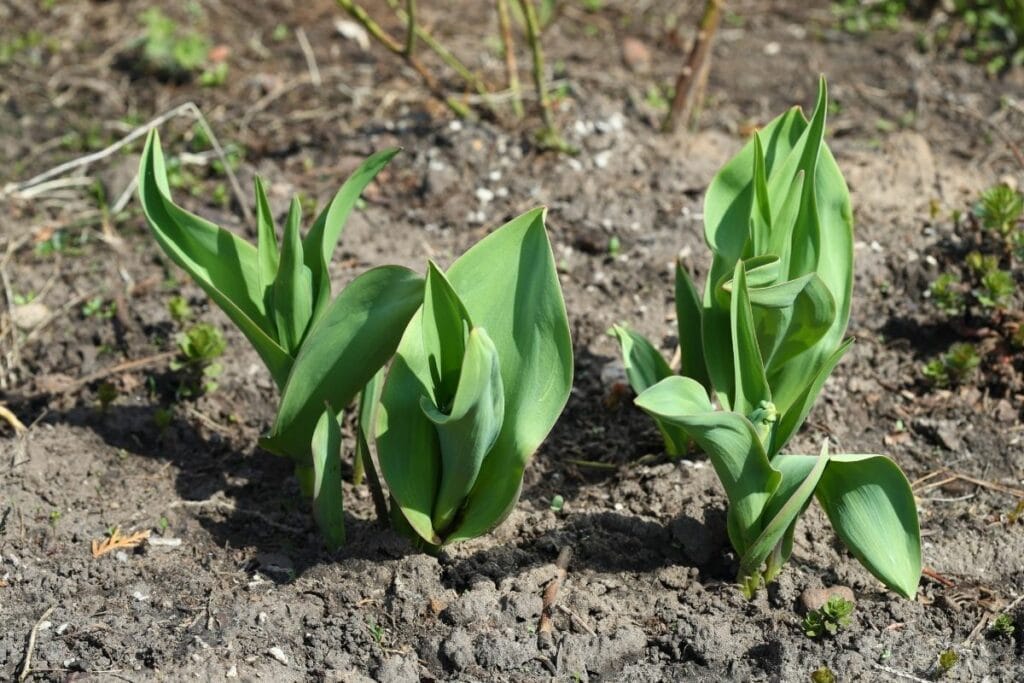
(241, 587)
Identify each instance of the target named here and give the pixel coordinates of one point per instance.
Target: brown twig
(126, 366)
(310, 56)
(550, 596)
(26, 662)
(511, 67)
(692, 79)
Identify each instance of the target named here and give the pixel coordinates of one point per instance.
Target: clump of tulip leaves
(480, 356)
(760, 344)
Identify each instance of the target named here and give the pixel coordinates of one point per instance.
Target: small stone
(484, 196)
(815, 598)
(278, 654)
(232, 672)
(30, 315)
(636, 54)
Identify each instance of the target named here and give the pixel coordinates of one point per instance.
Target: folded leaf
(293, 286)
(467, 433)
(222, 264)
(871, 506)
(355, 337)
(751, 386)
(327, 496)
(690, 324)
(445, 326)
(319, 244)
(267, 254)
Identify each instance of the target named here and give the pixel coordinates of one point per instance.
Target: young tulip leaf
(327, 497)
(293, 287)
(467, 433)
(690, 325)
(751, 385)
(870, 504)
(224, 265)
(731, 443)
(319, 244)
(357, 335)
(267, 253)
(445, 326)
(645, 367)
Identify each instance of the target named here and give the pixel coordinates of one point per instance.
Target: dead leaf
(116, 541)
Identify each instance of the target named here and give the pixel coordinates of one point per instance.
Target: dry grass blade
(116, 541)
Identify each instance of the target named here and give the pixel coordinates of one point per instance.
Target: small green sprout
(828, 619)
(377, 631)
(168, 50)
(97, 307)
(1002, 626)
(997, 288)
(179, 309)
(198, 348)
(946, 661)
(55, 516)
(946, 294)
(106, 393)
(614, 246)
(163, 523)
(980, 264)
(557, 503)
(1000, 209)
(823, 675)
(162, 418)
(954, 366)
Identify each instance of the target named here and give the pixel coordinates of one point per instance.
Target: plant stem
(376, 491)
(693, 78)
(410, 32)
(548, 137)
(380, 35)
(511, 67)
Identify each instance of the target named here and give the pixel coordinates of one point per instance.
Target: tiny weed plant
(171, 52)
(828, 619)
(979, 296)
(945, 662)
(198, 349)
(756, 350)
(823, 675)
(1002, 626)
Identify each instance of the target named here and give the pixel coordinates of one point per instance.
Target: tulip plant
(482, 361)
(760, 344)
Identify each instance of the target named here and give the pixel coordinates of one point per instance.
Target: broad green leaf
(645, 367)
(267, 254)
(813, 312)
(445, 326)
(327, 497)
(800, 476)
(795, 412)
(690, 324)
(293, 287)
(467, 433)
(871, 506)
(731, 443)
(322, 238)
(355, 337)
(751, 385)
(224, 265)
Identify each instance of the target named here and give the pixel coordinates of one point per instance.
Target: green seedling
(760, 344)
(1000, 209)
(947, 295)
(106, 393)
(557, 503)
(1002, 626)
(828, 619)
(481, 375)
(954, 366)
(946, 661)
(179, 310)
(997, 288)
(318, 350)
(981, 264)
(96, 307)
(168, 50)
(199, 347)
(823, 675)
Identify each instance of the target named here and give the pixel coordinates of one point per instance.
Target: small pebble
(815, 598)
(278, 654)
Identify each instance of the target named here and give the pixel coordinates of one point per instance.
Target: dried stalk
(693, 78)
(511, 67)
(548, 138)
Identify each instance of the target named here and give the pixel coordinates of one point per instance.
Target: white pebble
(278, 654)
